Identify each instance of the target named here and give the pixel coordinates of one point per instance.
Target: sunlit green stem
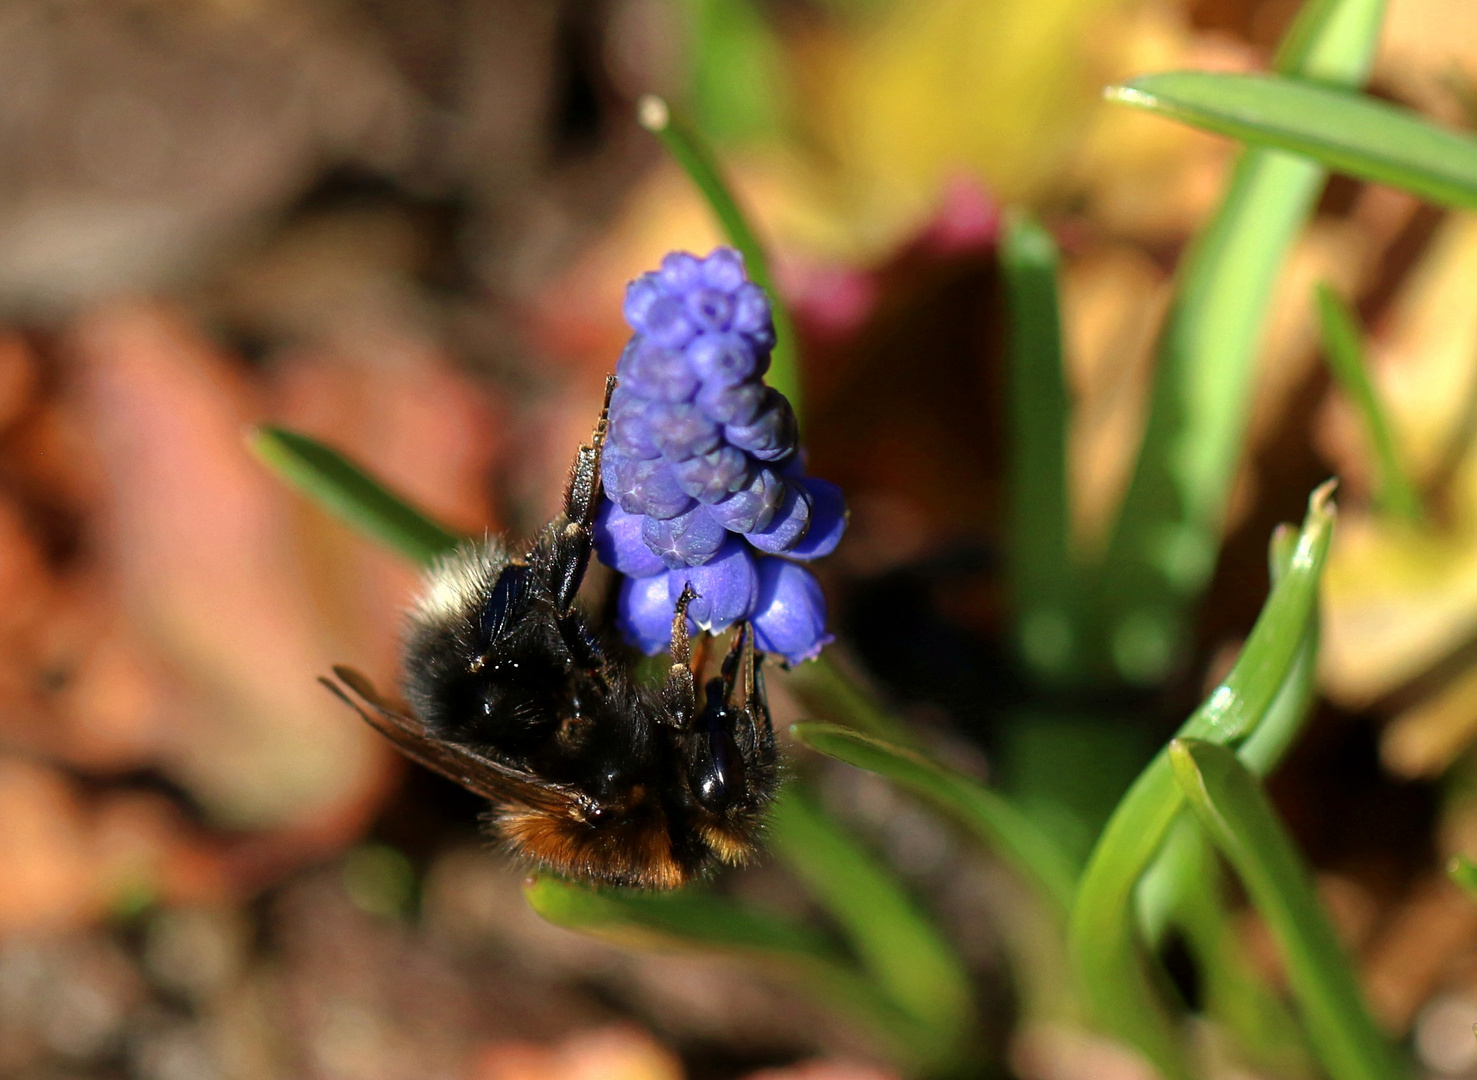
(692, 152)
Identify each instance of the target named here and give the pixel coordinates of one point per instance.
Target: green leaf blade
(693, 920)
(1164, 546)
(908, 958)
(1463, 873)
(1343, 347)
(1040, 526)
(1112, 970)
(346, 491)
(1231, 806)
(1348, 133)
(989, 816)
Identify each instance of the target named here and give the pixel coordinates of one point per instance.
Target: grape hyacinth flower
(703, 475)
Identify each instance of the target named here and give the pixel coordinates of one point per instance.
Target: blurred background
(404, 227)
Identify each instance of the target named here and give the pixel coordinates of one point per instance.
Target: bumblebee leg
(680, 691)
(756, 700)
(566, 543)
(737, 651)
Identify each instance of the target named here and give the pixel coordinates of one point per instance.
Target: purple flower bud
(650, 371)
(689, 539)
(643, 613)
(721, 358)
(640, 295)
(630, 434)
(751, 315)
(713, 476)
(619, 545)
(667, 323)
(727, 587)
(732, 404)
(642, 487)
(681, 430)
(827, 519)
(773, 433)
(790, 612)
(681, 272)
(790, 524)
(724, 269)
(710, 309)
(753, 506)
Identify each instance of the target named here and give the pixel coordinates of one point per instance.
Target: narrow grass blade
(1463, 872)
(692, 152)
(909, 960)
(1185, 890)
(827, 689)
(1348, 133)
(348, 492)
(1231, 806)
(1343, 346)
(1182, 886)
(1109, 962)
(695, 920)
(989, 816)
(1164, 546)
(1040, 563)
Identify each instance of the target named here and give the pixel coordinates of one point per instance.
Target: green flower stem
(1231, 806)
(1111, 968)
(696, 158)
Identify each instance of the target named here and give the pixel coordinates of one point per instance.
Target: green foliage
(1348, 133)
(1234, 811)
(1044, 587)
(1343, 346)
(907, 957)
(986, 814)
(1463, 872)
(348, 492)
(737, 81)
(697, 919)
(1110, 963)
(1168, 533)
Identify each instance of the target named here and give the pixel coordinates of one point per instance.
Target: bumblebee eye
(720, 777)
(506, 601)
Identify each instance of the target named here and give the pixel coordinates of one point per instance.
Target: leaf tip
(1129, 94)
(652, 113)
(1320, 503)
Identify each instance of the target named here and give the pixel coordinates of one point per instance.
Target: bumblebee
(514, 695)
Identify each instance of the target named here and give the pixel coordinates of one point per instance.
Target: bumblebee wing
(488, 777)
